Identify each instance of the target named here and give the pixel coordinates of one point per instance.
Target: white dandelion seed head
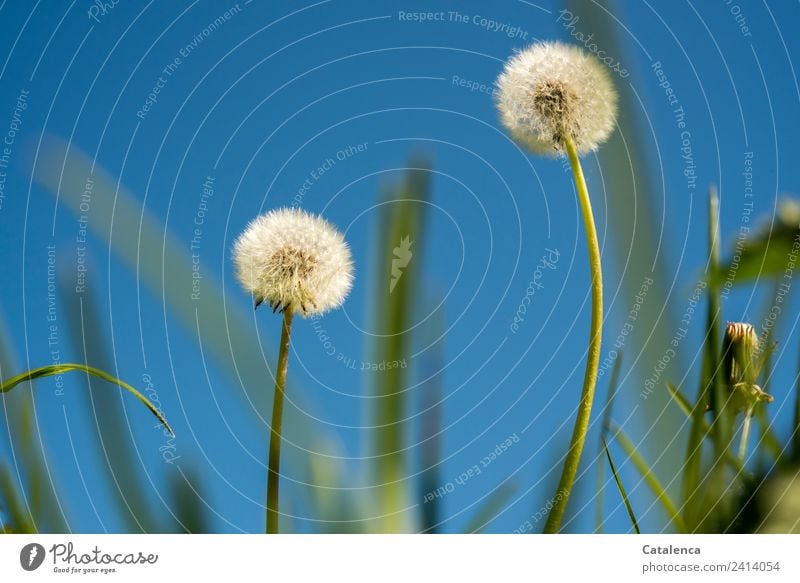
(294, 260)
(551, 91)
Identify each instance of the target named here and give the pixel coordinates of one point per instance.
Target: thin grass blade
(622, 492)
(650, 479)
(58, 369)
(601, 474)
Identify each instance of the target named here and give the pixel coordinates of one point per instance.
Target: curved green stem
(273, 472)
(573, 458)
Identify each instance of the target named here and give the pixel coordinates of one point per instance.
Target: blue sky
(336, 95)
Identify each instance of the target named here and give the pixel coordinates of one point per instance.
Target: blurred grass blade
(796, 420)
(613, 383)
(621, 489)
(114, 440)
(57, 369)
(710, 388)
(187, 505)
(491, 507)
(686, 407)
(768, 443)
(43, 509)
(333, 490)
(396, 278)
(649, 477)
(13, 505)
(431, 404)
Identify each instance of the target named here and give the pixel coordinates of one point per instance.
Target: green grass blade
(187, 504)
(57, 369)
(13, 505)
(796, 420)
(43, 509)
(687, 407)
(768, 442)
(432, 363)
(396, 281)
(601, 475)
(710, 390)
(649, 477)
(491, 507)
(622, 491)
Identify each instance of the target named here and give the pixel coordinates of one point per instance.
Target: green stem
(273, 473)
(748, 416)
(573, 458)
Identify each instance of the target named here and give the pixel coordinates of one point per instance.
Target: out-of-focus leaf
(490, 508)
(765, 252)
(622, 491)
(649, 477)
(396, 280)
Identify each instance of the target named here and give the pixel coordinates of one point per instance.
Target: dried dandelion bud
(740, 349)
(551, 91)
(294, 260)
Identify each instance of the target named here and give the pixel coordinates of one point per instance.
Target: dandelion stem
(273, 473)
(573, 458)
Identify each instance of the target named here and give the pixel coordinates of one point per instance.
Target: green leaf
(650, 479)
(58, 369)
(621, 489)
